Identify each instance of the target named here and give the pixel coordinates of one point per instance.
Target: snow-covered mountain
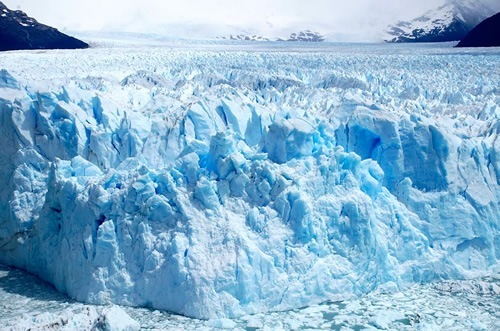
(19, 31)
(218, 184)
(449, 22)
(244, 37)
(303, 36)
(307, 36)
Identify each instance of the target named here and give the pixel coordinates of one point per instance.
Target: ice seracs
(221, 184)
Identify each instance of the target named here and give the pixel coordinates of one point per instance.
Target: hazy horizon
(357, 20)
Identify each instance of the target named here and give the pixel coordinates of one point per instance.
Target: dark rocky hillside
(486, 34)
(19, 31)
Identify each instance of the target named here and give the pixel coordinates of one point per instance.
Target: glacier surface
(222, 182)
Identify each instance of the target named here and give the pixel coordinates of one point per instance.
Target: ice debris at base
(421, 307)
(74, 318)
(455, 305)
(116, 319)
(28, 303)
(215, 185)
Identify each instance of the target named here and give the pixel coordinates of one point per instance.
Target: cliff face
(19, 31)
(486, 34)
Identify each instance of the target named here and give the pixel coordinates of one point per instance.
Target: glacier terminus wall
(223, 183)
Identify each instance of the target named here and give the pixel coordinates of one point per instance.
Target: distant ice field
(218, 179)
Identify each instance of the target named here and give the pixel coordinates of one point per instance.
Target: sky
(354, 20)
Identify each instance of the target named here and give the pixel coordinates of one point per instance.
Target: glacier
(216, 182)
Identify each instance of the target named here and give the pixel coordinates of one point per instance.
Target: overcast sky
(339, 19)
